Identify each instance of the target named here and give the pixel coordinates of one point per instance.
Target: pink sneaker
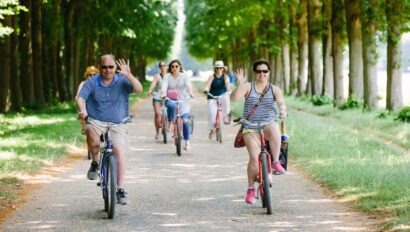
(250, 196)
(277, 168)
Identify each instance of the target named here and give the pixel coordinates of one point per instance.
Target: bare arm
(82, 110)
(153, 84)
(280, 101)
(126, 71)
(208, 83)
(242, 89)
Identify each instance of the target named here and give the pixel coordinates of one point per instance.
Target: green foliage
(351, 103)
(403, 115)
(321, 100)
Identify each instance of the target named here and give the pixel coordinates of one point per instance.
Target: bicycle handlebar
(216, 97)
(127, 119)
(178, 101)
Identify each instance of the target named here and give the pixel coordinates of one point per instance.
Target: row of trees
(305, 41)
(46, 45)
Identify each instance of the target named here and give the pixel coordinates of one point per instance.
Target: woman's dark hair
(259, 62)
(161, 62)
(172, 62)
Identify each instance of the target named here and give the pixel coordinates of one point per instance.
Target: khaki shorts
(118, 133)
(246, 130)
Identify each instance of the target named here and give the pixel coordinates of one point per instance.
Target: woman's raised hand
(240, 76)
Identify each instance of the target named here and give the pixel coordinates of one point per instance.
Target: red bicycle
(219, 116)
(264, 164)
(177, 127)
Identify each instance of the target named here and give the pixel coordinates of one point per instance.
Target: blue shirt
(107, 103)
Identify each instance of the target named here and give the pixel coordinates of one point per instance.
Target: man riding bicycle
(104, 97)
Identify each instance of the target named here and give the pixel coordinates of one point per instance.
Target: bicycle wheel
(266, 190)
(219, 131)
(164, 126)
(103, 184)
(178, 136)
(111, 186)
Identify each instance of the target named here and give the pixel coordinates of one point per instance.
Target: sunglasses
(174, 66)
(261, 71)
(162, 65)
(219, 68)
(107, 66)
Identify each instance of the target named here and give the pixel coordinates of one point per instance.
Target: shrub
(404, 115)
(351, 103)
(321, 100)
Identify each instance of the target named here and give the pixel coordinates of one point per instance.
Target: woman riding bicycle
(177, 86)
(155, 90)
(265, 112)
(217, 85)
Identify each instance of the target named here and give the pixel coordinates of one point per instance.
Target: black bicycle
(108, 167)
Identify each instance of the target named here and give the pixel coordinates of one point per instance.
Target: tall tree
(315, 45)
(369, 20)
(395, 12)
(293, 47)
(354, 36)
(5, 66)
(327, 49)
(302, 25)
(15, 89)
(338, 43)
(37, 52)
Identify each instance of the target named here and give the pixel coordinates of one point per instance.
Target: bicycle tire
(266, 197)
(178, 138)
(103, 172)
(111, 185)
(164, 127)
(220, 118)
(88, 154)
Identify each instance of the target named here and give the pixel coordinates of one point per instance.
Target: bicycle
(264, 164)
(177, 127)
(108, 167)
(219, 116)
(283, 155)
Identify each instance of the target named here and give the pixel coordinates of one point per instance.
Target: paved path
(203, 190)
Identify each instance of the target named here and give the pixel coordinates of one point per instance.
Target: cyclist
(104, 97)
(155, 90)
(218, 84)
(177, 86)
(267, 110)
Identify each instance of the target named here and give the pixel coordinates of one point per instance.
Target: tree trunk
(315, 45)
(5, 68)
(338, 25)
(278, 72)
(355, 48)
(68, 47)
(25, 51)
(37, 52)
(394, 101)
(303, 47)
(286, 67)
(15, 89)
(370, 54)
(293, 48)
(327, 50)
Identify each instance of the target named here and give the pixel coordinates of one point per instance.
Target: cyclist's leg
(186, 130)
(212, 108)
(119, 136)
(226, 107)
(157, 118)
(93, 133)
(252, 143)
(272, 134)
(171, 110)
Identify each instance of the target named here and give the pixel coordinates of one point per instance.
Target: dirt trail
(203, 190)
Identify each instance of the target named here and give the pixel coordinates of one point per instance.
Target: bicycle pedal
(98, 184)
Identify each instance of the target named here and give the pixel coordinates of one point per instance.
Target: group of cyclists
(104, 97)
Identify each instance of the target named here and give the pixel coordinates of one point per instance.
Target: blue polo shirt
(107, 103)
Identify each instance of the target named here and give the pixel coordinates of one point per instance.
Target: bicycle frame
(177, 128)
(219, 112)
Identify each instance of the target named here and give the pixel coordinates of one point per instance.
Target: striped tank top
(267, 109)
